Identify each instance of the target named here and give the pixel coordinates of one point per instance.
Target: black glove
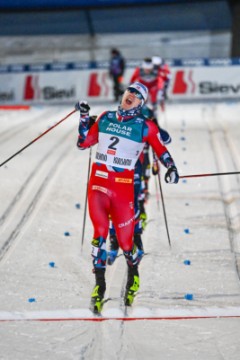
(171, 175)
(83, 107)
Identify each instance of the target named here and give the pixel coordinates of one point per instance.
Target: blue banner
(84, 65)
(47, 4)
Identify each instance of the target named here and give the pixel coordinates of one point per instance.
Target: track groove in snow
(28, 196)
(226, 156)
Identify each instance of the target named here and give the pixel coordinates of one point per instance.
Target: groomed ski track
(39, 192)
(138, 314)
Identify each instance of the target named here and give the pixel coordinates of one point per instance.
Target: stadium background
(65, 46)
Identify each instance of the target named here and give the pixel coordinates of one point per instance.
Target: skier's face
(130, 100)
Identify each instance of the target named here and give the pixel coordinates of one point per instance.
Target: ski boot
(98, 292)
(114, 247)
(96, 300)
(132, 285)
(143, 215)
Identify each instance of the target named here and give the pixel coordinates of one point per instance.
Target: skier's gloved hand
(155, 167)
(171, 175)
(83, 107)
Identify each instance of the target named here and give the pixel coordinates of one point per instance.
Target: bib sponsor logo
(111, 152)
(121, 161)
(123, 180)
(102, 157)
(102, 174)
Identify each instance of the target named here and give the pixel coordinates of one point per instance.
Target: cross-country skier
(120, 136)
(148, 76)
(162, 69)
(140, 189)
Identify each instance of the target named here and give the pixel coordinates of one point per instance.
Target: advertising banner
(68, 83)
(205, 83)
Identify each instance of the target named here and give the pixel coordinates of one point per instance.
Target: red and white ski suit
(152, 81)
(111, 185)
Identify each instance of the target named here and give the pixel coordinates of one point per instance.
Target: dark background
(58, 17)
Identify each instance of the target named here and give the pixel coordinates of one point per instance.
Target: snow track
(30, 193)
(18, 213)
(227, 159)
(17, 128)
(39, 191)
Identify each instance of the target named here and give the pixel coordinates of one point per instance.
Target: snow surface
(40, 190)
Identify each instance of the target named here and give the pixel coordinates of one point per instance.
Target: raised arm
(88, 128)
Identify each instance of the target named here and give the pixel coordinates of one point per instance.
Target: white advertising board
(70, 85)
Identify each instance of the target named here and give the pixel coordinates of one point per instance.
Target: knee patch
(99, 253)
(132, 257)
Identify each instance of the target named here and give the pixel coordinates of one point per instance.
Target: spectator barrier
(61, 83)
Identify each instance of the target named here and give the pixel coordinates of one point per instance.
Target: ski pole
(37, 138)
(209, 174)
(85, 205)
(163, 204)
(164, 210)
(155, 170)
(157, 195)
